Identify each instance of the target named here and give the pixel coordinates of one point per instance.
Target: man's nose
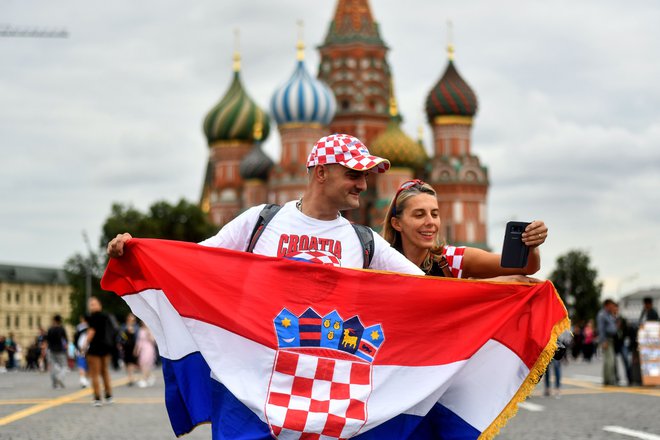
(361, 183)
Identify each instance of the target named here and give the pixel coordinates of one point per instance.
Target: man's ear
(320, 173)
(394, 221)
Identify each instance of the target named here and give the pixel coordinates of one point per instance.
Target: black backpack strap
(366, 236)
(265, 216)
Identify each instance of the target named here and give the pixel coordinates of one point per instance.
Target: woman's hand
(514, 279)
(535, 234)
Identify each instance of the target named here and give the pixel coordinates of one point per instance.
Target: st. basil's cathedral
(352, 94)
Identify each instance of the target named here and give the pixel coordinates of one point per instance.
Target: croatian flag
(266, 347)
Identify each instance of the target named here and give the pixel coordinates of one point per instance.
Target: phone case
(514, 251)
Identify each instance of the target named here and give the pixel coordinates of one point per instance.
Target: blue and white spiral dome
(303, 99)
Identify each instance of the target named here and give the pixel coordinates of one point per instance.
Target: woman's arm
(478, 263)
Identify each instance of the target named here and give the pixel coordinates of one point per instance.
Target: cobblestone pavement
(31, 410)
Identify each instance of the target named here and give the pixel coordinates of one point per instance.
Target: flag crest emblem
(321, 377)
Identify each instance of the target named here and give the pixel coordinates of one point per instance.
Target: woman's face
(419, 223)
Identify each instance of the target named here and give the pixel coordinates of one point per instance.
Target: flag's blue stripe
(187, 392)
(192, 397)
(232, 420)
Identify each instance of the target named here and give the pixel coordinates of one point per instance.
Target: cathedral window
(470, 232)
(458, 211)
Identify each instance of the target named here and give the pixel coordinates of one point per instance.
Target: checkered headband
(348, 151)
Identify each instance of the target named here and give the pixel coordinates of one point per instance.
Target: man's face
(344, 185)
(94, 305)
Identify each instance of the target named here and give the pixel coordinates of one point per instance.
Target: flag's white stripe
(408, 390)
(242, 365)
(485, 384)
(172, 336)
(476, 390)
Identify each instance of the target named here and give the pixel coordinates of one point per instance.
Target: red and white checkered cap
(348, 151)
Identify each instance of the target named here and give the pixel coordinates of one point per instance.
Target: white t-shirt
(294, 235)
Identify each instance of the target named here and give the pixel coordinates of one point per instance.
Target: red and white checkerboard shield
(318, 394)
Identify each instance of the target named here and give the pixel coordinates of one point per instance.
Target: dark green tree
(577, 284)
(184, 221)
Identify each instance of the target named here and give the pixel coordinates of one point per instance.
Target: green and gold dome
(234, 117)
(396, 146)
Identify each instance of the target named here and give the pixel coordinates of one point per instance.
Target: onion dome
(396, 146)
(234, 117)
(451, 96)
(303, 98)
(256, 165)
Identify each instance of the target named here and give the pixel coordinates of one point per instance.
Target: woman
(412, 226)
(145, 350)
(128, 340)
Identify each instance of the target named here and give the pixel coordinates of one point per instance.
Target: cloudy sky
(568, 121)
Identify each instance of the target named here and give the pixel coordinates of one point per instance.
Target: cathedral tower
(455, 173)
(354, 65)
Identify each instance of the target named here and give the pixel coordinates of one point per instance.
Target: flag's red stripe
(444, 319)
(310, 336)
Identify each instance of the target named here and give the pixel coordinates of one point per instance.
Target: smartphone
(514, 251)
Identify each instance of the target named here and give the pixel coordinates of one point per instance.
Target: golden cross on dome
(300, 46)
(450, 42)
(237, 53)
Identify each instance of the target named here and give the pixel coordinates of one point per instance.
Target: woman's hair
(408, 189)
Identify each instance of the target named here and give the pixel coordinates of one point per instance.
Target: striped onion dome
(451, 96)
(234, 117)
(396, 146)
(303, 98)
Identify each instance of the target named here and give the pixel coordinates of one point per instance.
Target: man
(312, 227)
(648, 312)
(57, 342)
(98, 347)
(606, 325)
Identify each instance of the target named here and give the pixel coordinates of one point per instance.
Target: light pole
(88, 274)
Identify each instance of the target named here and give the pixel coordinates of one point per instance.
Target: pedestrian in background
(145, 349)
(128, 336)
(99, 345)
(555, 367)
(621, 345)
(577, 346)
(80, 341)
(11, 348)
(57, 345)
(588, 341)
(648, 312)
(606, 325)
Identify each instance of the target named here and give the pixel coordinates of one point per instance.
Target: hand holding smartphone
(514, 251)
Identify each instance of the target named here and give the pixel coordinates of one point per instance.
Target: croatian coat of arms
(321, 378)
